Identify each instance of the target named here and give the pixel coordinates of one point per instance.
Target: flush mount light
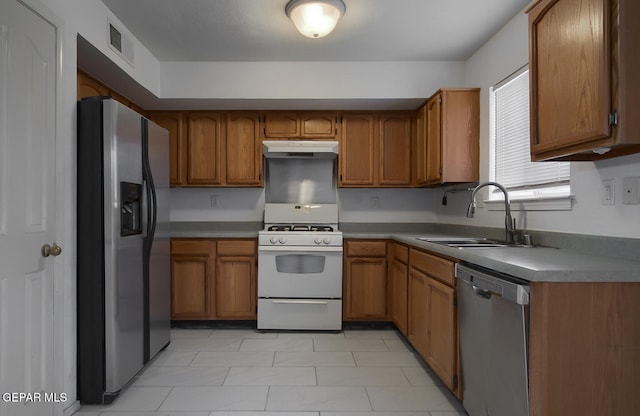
(315, 18)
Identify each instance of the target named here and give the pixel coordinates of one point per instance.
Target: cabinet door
(357, 150)
(88, 87)
(441, 332)
(398, 286)
(192, 271)
(394, 156)
(173, 121)
(236, 294)
(420, 152)
(190, 287)
(570, 72)
(459, 135)
(418, 311)
(281, 125)
(318, 125)
(365, 288)
(204, 144)
(434, 139)
(243, 151)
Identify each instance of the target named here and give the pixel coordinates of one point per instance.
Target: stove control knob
(326, 241)
(281, 240)
(273, 240)
(317, 240)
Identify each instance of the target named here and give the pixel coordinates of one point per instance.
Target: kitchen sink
(465, 242)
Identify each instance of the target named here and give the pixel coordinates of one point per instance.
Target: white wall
(307, 80)
(392, 205)
(500, 56)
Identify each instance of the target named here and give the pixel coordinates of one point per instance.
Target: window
(510, 159)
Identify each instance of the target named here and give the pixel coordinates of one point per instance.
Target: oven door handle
(309, 249)
(300, 302)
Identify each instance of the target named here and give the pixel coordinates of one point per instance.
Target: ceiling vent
(120, 44)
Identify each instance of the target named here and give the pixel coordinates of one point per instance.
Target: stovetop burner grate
(312, 228)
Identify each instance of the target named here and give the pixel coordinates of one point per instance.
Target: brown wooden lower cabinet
(192, 278)
(584, 349)
(365, 280)
(418, 311)
(398, 284)
(432, 320)
(236, 269)
(213, 279)
(442, 332)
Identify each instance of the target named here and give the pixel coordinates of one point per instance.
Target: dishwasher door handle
(481, 292)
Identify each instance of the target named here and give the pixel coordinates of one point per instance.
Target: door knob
(48, 250)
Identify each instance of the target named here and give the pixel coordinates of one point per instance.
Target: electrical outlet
(631, 190)
(214, 201)
(375, 202)
(608, 192)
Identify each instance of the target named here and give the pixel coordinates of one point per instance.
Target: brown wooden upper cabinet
(583, 69)
(87, 86)
(204, 148)
(243, 149)
(174, 122)
(375, 150)
(447, 138)
(209, 149)
(292, 125)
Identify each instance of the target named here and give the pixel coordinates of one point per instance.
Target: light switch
(608, 192)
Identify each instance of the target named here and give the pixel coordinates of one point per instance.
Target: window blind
(513, 166)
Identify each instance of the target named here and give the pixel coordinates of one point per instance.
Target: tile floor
(242, 372)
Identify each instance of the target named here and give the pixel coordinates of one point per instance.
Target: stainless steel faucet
(509, 223)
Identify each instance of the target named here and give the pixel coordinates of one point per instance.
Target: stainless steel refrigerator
(123, 266)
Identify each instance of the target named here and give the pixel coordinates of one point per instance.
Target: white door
(27, 209)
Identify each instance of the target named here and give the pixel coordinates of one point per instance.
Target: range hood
(301, 149)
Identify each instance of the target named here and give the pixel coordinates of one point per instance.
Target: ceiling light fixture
(315, 18)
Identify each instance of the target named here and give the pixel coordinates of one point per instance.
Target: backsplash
(356, 205)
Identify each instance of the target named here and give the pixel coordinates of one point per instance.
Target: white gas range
(300, 268)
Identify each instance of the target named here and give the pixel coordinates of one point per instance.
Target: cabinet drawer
(399, 252)
(366, 248)
(304, 314)
(436, 267)
(237, 248)
(190, 247)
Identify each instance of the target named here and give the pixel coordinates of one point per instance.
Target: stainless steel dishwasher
(493, 319)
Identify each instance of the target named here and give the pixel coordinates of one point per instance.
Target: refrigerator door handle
(145, 209)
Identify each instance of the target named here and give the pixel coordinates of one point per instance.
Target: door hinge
(440, 171)
(613, 118)
(455, 382)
